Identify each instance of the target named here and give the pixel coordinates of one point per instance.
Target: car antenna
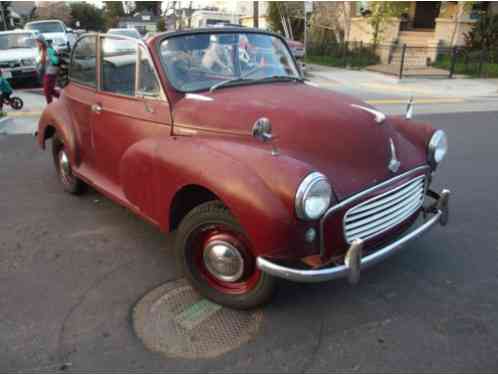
(409, 109)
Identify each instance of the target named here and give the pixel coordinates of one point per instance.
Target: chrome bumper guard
(354, 262)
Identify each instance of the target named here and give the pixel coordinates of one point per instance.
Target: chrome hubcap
(223, 261)
(65, 168)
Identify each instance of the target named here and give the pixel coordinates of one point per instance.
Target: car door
(81, 96)
(131, 109)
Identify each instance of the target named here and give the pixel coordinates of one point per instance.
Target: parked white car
(131, 32)
(19, 55)
(62, 38)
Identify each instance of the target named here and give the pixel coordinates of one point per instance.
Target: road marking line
(394, 87)
(416, 101)
(24, 114)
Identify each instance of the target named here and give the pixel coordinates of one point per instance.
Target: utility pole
(255, 14)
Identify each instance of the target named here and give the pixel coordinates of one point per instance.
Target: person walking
(50, 68)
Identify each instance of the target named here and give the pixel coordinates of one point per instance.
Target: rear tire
(202, 228)
(69, 181)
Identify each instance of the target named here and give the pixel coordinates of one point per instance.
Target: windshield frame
(228, 30)
(33, 26)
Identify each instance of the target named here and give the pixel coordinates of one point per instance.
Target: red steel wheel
(217, 258)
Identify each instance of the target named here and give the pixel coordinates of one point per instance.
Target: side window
(83, 64)
(147, 80)
(119, 61)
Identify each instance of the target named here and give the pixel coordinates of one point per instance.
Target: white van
(62, 37)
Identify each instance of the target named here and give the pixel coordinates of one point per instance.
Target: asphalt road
(71, 268)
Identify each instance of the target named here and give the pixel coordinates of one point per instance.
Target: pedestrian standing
(50, 67)
(5, 90)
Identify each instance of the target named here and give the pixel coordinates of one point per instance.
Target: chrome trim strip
(354, 197)
(336, 272)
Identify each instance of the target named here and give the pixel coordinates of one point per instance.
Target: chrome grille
(384, 211)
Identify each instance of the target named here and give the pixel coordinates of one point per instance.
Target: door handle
(96, 108)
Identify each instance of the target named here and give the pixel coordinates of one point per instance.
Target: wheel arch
(186, 199)
(56, 120)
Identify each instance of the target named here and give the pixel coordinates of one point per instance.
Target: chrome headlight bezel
(437, 148)
(305, 191)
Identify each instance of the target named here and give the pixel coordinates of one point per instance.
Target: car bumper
(21, 73)
(354, 263)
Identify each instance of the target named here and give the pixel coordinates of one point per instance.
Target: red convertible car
(214, 134)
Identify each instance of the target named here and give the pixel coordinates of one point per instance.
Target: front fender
(257, 187)
(56, 115)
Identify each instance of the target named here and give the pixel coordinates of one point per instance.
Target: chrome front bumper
(354, 262)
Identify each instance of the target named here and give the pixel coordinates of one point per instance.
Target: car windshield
(203, 61)
(131, 33)
(10, 41)
(46, 27)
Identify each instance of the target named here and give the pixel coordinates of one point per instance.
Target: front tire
(16, 102)
(69, 181)
(216, 257)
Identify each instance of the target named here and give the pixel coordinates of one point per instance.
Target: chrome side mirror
(262, 130)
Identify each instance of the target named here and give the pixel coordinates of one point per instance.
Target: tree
(161, 24)
(88, 16)
(380, 12)
(152, 6)
(290, 12)
(5, 15)
(484, 33)
(53, 10)
(113, 11)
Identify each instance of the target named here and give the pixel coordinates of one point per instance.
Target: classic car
(261, 174)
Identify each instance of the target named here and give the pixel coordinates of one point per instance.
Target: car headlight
(438, 147)
(313, 196)
(28, 62)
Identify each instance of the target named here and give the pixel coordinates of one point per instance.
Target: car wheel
(70, 182)
(16, 102)
(216, 257)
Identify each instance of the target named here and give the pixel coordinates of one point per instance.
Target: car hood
(320, 127)
(18, 53)
(53, 36)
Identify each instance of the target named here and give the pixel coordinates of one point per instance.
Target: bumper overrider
(354, 262)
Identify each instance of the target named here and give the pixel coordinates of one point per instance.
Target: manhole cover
(175, 320)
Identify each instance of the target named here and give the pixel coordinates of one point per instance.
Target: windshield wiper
(282, 78)
(229, 81)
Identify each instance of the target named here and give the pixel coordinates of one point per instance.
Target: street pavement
(72, 268)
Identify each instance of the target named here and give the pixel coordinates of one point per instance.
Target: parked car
(260, 173)
(132, 33)
(297, 48)
(62, 38)
(19, 55)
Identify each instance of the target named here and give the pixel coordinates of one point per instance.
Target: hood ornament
(409, 109)
(394, 163)
(379, 116)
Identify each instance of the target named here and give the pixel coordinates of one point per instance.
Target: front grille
(10, 64)
(384, 211)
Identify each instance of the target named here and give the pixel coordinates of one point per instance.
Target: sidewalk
(414, 86)
(24, 121)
